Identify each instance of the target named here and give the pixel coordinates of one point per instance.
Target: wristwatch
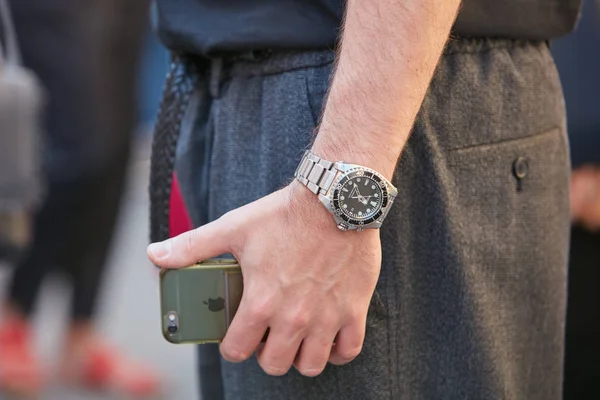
(358, 197)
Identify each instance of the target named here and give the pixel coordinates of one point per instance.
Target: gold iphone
(198, 302)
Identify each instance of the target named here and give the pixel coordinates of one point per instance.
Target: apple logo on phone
(215, 305)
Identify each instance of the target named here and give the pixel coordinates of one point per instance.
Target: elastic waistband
(469, 45)
(259, 63)
(265, 62)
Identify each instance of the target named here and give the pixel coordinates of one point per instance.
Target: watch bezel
(351, 173)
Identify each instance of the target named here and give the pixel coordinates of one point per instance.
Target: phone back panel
(204, 298)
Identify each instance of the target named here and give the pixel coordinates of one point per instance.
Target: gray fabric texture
(470, 303)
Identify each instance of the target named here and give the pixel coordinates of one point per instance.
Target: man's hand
(304, 279)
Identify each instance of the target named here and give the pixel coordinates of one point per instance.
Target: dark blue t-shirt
(211, 26)
(205, 26)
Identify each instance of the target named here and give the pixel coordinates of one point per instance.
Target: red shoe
(20, 374)
(99, 367)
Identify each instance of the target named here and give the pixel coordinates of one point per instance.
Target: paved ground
(130, 310)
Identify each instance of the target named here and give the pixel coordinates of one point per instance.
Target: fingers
(291, 340)
(349, 342)
(294, 339)
(314, 353)
(246, 331)
(208, 241)
(279, 352)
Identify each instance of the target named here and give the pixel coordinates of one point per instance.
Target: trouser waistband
(219, 68)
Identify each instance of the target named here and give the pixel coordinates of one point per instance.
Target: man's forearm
(389, 52)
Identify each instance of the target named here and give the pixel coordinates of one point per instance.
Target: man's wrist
(333, 147)
(304, 202)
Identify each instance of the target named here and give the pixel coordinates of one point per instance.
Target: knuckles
(189, 242)
(233, 354)
(298, 320)
(261, 311)
(348, 354)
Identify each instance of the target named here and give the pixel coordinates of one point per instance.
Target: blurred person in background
(21, 103)
(462, 293)
(578, 60)
(85, 53)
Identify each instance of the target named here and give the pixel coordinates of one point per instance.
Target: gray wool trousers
(470, 303)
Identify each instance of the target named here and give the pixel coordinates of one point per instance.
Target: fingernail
(160, 250)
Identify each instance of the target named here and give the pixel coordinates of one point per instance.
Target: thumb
(210, 240)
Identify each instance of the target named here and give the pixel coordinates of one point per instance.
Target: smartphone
(198, 302)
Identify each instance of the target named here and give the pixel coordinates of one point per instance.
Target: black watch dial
(360, 197)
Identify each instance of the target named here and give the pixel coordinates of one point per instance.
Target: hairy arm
(308, 294)
(389, 52)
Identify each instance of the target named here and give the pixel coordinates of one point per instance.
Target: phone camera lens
(171, 320)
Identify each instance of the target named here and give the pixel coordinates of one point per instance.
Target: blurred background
(100, 71)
